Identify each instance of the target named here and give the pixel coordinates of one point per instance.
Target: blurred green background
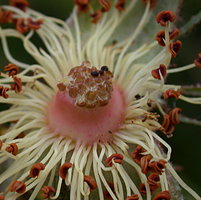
(186, 143)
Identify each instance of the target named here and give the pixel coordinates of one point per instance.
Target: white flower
(84, 114)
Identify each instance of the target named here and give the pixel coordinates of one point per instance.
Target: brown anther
(3, 92)
(105, 4)
(61, 87)
(12, 148)
(88, 88)
(152, 2)
(6, 16)
(63, 170)
(21, 135)
(34, 25)
(198, 61)
(165, 16)
(171, 94)
(35, 169)
(48, 191)
(116, 157)
(160, 37)
(175, 47)
(83, 5)
(2, 197)
(120, 5)
(161, 71)
(21, 26)
(137, 154)
(17, 85)
(107, 194)
(157, 166)
(1, 144)
(133, 197)
(17, 186)
(21, 4)
(174, 115)
(142, 189)
(91, 182)
(168, 127)
(153, 180)
(12, 69)
(165, 195)
(144, 163)
(96, 16)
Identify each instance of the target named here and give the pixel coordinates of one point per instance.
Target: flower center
(88, 106)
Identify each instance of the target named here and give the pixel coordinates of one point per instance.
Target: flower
(84, 114)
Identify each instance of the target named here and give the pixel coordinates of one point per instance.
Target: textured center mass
(88, 107)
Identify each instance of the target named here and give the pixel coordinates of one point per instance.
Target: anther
(34, 25)
(35, 170)
(104, 68)
(165, 16)
(107, 194)
(96, 16)
(120, 5)
(91, 182)
(174, 115)
(61, 86)
(157, 166)
(106, 5)
(2, 197)
(168, 127)
(12, 69)
(144, 163)
(17, 85)
(6, 16)
(152, 2)
(165, 195)
(3, 92)
(171, 94)
(175, 47)
(198, 61)
(12, 148)
(95, 73)
(117, 158)
(48, 191)
(21, 135)
(21, 4)
(21, 26)
(142, 189)
(1, 144)
(83, 5)
(132, 197)
(63, 170)
(137, 154)
(153, 180)
(17, 186)
(161, 71)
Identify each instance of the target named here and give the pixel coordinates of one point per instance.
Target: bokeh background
(186, 143)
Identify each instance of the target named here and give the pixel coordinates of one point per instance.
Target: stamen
(161, 71)
(198, 60)
(63, 170)
(35, 170)
(96, 16)
(17, 186)
(11, 69)
(165, 16)
(165, 195)
(105, 5)
(117, 158)
(3, 92)
(12, 148)
(133, 197)
(21, 4)
(171, 94)
(48, 191)
(157, 166)
(175, 47)
(137, 154)
(91, 182)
